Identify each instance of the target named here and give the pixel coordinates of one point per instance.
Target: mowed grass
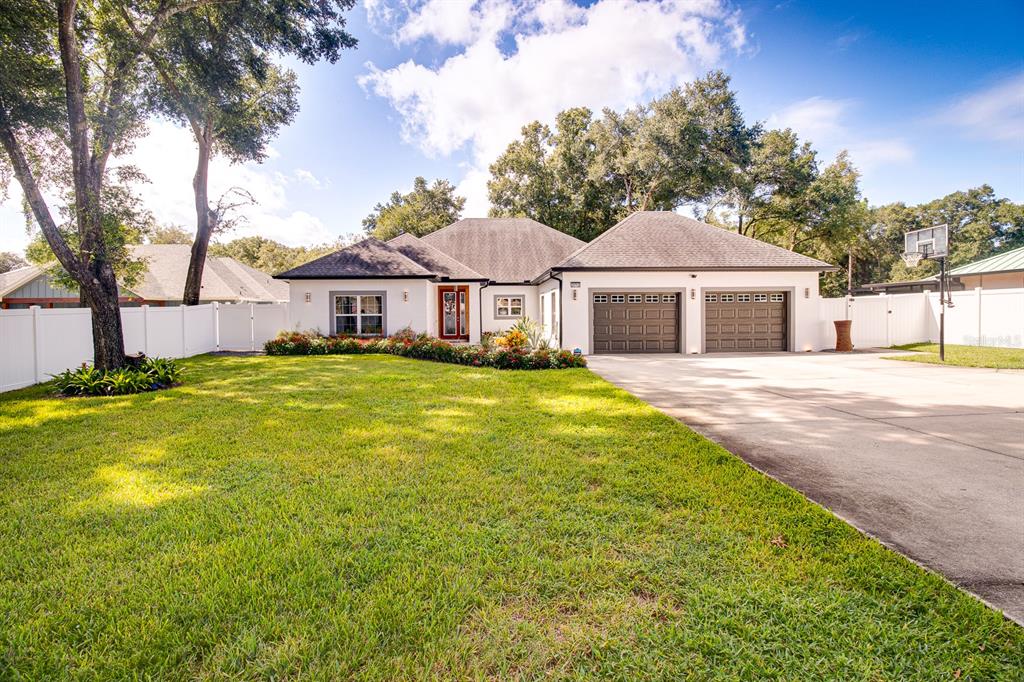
(964, 356)
(383, 518)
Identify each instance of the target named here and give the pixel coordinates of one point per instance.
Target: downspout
(480, 309)
(559, 278)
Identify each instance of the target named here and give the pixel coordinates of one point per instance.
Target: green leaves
(587, 174)
(150, 375)
(426, 209)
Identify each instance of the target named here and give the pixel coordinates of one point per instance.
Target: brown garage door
(636, 322)
(745, 321)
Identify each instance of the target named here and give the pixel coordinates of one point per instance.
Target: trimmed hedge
(423, 348)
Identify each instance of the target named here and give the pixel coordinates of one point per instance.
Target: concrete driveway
(928, 459)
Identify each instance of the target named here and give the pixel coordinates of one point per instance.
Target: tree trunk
(204, 222)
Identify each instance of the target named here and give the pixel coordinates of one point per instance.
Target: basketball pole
(942, 309)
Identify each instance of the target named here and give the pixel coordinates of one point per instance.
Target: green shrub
(408, 344)
(151, 374)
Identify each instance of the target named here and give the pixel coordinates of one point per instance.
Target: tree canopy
(10, 261)
(425, 209)
(273, 257)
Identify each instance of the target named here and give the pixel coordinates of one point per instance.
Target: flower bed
(423, 347)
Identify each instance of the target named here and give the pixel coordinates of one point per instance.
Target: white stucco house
(657, 282)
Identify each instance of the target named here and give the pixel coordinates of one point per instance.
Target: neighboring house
(657, 282)
(224, 279)
(1002, 271)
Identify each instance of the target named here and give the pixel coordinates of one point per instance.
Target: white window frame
(635, 298)
(652, 298)
(668, 298)
(760, 298)
(618, 298)
(778, 298)
(359, 315)
(727, 298)
(743, 298)
(710, 298)
(505, 306)
(600, 298)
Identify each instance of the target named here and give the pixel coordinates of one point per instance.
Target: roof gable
(1009, 261)
(366, 259)
(17, 278)
(504, 250)
(432, 259)
(664, 240)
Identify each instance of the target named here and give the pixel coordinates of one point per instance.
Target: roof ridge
(427, 245)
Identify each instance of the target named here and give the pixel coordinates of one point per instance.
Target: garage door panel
(745, 321)
(632, 322)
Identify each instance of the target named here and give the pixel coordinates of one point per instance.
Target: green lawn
(384, 518)
(964, 356)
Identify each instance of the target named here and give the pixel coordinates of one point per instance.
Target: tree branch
(23, 171)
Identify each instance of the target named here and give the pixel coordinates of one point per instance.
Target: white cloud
(167, 157)
(308, 178)
(817, 119)
(822, 122)
(875, 153)
(996, 113)
(524, 61)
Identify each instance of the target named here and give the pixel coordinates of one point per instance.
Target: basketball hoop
(912, 258)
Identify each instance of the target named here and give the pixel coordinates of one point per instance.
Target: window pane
(345, 324)
(373, 325)
(345, 305)
(503, 302)
(516, 311)
(373, 305)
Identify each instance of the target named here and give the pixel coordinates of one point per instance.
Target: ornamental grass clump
(405, 343)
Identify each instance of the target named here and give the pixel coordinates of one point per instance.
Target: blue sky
(928, 98)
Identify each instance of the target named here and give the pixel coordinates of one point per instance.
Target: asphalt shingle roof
(369, 258)
(666, 240)
(504, 250)
(224, 279)
(1010, 261)
(432, 259)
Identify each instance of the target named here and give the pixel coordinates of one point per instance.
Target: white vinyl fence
(38, 343)
(991, 317)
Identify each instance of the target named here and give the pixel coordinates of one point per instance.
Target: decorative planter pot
(844, 342)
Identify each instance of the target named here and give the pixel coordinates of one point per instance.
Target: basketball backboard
(929, 242)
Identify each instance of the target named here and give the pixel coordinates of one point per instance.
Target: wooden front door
(453, 312)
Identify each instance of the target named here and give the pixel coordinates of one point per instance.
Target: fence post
(184, 350)
(145, 329)
(252, 327)
(37, 350)
(888, 314)
(977, 298)
(216, 325)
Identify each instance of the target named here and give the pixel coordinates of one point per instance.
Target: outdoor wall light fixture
(693, 294)
(309, 297)
(807, 292)
(575, 294)
(405, 295)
